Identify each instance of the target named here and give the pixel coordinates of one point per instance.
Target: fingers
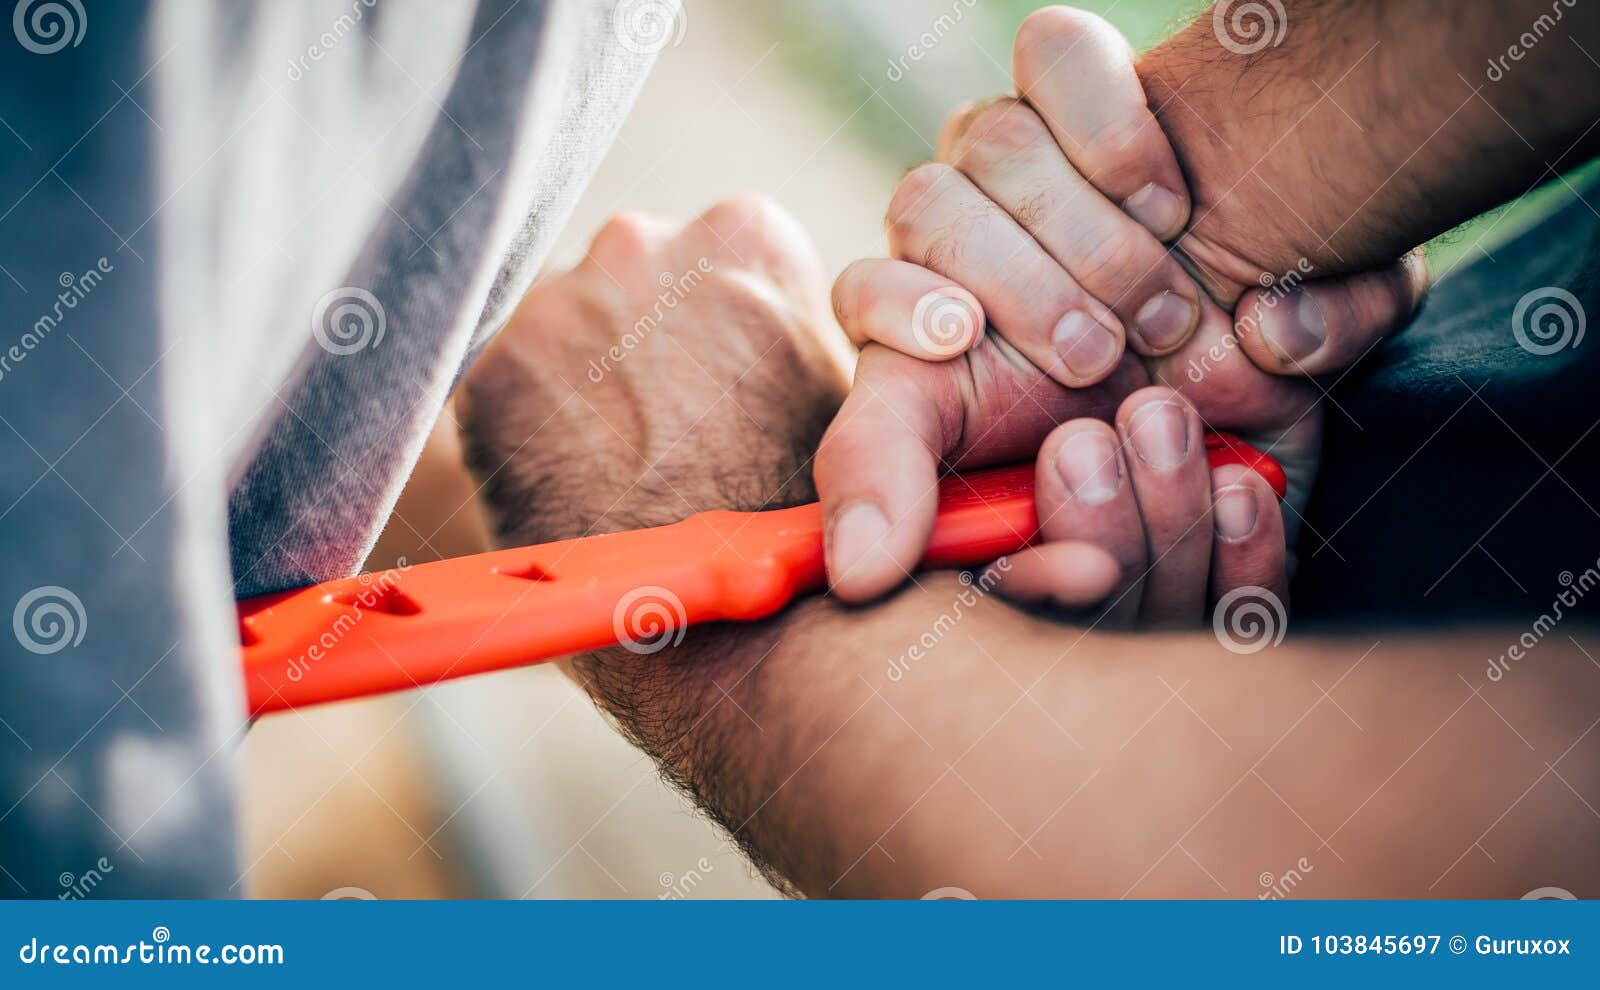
(907, 307)
(906, 420)
(1249, 547)
(876, 472)
(940, 220)
(1077, 71)
(1083, 493)
(1327, 325)
(1010, 155)
(1069, 575)
(1168, 467)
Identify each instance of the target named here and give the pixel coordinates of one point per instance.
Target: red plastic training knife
(403, 628)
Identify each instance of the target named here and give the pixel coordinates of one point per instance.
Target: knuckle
(997, 131)
(627, 234)
(1114, 265)
(746, 215)
(916, 190)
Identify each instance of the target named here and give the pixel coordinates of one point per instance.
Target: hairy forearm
(944, 739)
(1409, 116)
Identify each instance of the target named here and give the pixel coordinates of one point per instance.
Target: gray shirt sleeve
(118, 705)
(245, 253)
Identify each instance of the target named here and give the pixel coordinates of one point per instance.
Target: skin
(1049, 211)
(915, 744)
(946, 738)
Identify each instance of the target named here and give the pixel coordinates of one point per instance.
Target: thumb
(1328, 325)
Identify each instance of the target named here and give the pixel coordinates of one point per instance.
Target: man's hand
(1044, 217)
(677, 368)
(1139, 490)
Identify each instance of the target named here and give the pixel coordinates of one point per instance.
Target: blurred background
(511, 784)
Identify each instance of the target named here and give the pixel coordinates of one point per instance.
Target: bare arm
(928, 742)
(943, 738)
(1370, 125)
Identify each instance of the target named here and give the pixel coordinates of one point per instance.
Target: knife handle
(410, 626)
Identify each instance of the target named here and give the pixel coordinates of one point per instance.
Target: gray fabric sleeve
(119, 699)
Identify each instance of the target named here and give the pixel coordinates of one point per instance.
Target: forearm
(945, 739)
(1412, 116)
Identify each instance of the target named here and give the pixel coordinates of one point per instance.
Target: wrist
(1351, 140)
(557, 461)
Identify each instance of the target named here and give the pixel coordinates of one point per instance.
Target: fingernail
(1234, 512)
(858, 531)
(1160, 434)
(1089, 465)
(1158, 210)
(1164, 321)
(1086, 347)
(1296, 327)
